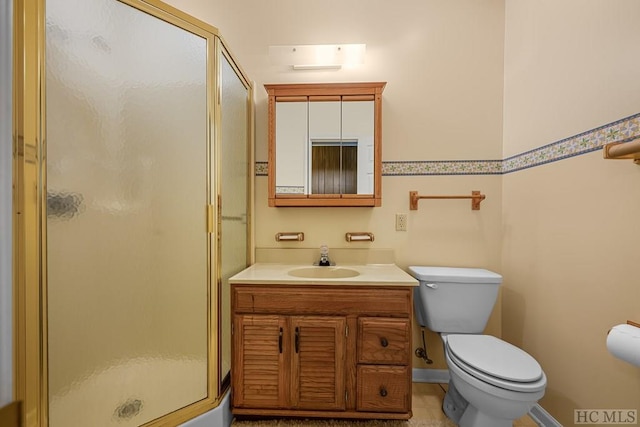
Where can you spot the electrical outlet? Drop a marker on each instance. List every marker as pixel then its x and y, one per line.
pixel 401 222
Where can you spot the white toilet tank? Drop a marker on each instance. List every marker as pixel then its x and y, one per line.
pixel 455 300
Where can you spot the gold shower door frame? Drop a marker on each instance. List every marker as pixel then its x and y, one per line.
pixel 29 208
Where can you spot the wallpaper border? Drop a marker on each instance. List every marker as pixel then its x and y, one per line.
pixel 621 130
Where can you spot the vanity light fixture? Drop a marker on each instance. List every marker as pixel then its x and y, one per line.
pixel 317 56
pixel 316 67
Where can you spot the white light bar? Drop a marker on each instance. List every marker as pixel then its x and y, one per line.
pixel 317 57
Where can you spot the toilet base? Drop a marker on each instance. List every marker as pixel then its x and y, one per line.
pixel 474 418
pixel 458 410
pixel 454 404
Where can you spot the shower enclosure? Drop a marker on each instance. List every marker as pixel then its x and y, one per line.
pixel 133 170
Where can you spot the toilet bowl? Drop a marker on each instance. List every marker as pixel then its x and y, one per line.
pixel 499 382
pixel 492 382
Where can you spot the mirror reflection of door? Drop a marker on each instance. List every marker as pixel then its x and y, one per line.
pixel 334 167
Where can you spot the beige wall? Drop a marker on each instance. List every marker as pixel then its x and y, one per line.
pixel 570 66
pixel 570 252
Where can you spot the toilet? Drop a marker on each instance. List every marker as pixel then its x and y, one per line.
pixel 492 382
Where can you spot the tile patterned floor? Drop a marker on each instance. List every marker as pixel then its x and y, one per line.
pixel 427 412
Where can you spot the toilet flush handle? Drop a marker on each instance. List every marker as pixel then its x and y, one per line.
pixel 431 285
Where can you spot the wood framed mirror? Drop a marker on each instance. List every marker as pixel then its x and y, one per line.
pixel 325 144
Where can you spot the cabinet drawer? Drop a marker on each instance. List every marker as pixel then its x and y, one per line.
pixel 383 388
pixel 323 300
pixel 384 340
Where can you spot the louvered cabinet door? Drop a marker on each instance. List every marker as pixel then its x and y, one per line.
pixel 318 357
pixel 259 376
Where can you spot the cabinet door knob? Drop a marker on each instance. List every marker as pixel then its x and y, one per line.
pixel 280 340
pixel 383 391
pixel 384 342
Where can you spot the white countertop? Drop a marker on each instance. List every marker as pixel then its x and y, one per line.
pixel 370 274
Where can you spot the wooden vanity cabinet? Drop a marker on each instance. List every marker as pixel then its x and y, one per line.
pixel 321 351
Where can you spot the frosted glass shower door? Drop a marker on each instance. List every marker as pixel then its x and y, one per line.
pixel 127 146
pixel 234 163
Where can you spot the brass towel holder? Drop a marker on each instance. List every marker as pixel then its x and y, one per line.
pixel 359 237
pixel 290 236
pixel 623 150
pixel 476 197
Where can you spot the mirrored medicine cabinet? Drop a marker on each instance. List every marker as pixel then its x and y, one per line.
pixel 325 144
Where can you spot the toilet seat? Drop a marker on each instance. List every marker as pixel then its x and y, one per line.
pixel 496 362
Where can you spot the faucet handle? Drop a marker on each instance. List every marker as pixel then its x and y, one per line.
pixel 324 256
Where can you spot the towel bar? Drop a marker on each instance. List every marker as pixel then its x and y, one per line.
pixel 290 236
pixel 623 150
pixel 475 197
pixel 359 237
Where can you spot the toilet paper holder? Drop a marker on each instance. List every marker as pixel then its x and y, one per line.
pixel 623 342
pixel 629 322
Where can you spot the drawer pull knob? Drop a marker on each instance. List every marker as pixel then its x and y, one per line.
pixel 383 391
pixel 384 342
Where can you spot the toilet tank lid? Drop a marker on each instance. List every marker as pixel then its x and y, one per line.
pixel 455 275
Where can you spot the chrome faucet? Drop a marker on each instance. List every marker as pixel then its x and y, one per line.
pixel 324 256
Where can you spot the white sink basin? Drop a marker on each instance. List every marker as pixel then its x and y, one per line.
pixel 323 272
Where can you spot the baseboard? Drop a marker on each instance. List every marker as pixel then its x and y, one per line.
pixel 421 375
pixel 542 417
pixel 220 416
